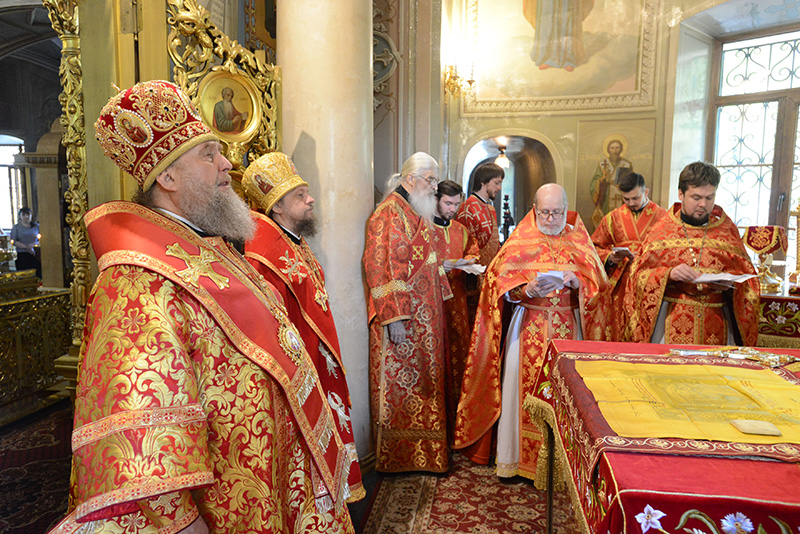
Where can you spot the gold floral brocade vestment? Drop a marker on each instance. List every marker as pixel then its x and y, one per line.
pixel 454 242
pixel 178 411
pixel 694 313
pixel 406 282
pixel 560 315
pixel 622 228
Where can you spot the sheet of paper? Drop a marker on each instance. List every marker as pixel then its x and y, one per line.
pixel 467 267
pixel 722 278
pixel 557 277
pixel 475 268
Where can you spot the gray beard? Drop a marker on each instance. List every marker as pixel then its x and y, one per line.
pixel 423 203
pixel 217 212
pixel 307 227
pixel 548 231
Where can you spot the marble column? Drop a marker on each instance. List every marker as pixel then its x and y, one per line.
pixel 324 49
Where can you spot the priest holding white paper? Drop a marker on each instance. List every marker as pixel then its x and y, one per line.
pixel 671 298
pixel 549 277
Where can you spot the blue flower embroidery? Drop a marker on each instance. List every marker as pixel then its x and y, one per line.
pixel 650 518
pixel 736 524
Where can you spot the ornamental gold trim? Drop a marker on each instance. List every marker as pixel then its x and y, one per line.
pixel 386 289
pixel 143 491
pixel 122 421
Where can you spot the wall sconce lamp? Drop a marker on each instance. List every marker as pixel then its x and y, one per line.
pixel 502 159
pixel 455 84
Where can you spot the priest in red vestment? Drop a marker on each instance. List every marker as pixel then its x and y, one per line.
pixel 284 215
pixel 406 286
pixel 618 240
pixel 453 243
pixel 548 275
pixel 477 213
pixel 197 408
pixel 696 237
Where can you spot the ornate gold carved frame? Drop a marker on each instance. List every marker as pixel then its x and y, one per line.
pixel 198 48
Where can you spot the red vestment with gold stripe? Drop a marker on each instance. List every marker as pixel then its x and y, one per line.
pixel 694 313
pixel 296 274
pixel 193 379
pixel 526 253
pixel 454 242
pixel 480 218
pixel 622 228
pixel 405 281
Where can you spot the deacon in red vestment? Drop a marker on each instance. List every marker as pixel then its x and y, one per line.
pixel 453 243
pixel 197 408
pixel 477 213
pixel 663 300
pixel 500 372
pixel 618 240
pixel 279 251
pixel 406 285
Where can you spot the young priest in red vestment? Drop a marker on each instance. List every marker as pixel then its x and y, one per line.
pixel 663 300
pixel 453 242
pixel 284 215
pixel 618 240
pixel 406 286
pixel 197 408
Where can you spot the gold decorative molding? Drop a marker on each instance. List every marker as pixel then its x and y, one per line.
pixel 198 48
pixel 65 21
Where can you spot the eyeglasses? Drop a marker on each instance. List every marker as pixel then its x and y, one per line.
pixel 432 180
pixel 555 214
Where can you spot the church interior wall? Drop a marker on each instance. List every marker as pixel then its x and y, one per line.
pixel 411 110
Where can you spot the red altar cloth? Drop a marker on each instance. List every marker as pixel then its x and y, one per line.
pixel 630 485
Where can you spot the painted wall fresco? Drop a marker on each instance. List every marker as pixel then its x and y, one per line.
pixel 551 55
pixel 608 150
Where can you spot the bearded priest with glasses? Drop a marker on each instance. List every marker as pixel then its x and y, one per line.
pixel 548 278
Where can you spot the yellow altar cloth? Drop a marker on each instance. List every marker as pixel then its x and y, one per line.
pixel 641 400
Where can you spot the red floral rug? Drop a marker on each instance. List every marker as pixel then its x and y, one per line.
pixel 470 498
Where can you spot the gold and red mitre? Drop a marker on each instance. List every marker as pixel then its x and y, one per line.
pixel 144 129
pixel 269 178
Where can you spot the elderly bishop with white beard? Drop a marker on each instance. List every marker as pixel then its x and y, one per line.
pixel 552 241
pixel 406 286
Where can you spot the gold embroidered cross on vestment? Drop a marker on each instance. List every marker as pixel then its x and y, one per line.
pixel 197 266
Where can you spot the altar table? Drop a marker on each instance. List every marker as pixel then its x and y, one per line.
pixel 621 484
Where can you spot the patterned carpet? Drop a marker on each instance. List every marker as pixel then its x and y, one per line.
pixel 469 499
pixel 34 470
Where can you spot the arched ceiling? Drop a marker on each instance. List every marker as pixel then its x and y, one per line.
pixel 26 34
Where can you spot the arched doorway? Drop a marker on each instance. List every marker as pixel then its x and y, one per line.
pixel 528 164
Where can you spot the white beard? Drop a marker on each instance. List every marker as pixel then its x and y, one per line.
pixel 217 212
pixel 549 231
pixel 423 203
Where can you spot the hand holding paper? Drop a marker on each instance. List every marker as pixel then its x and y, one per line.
pixel 469 266
pixel 545 283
